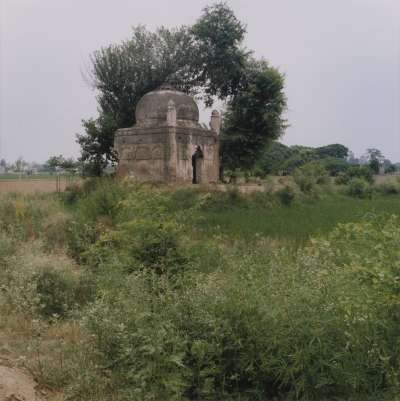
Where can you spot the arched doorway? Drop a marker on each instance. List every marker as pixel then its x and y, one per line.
pixel 197 164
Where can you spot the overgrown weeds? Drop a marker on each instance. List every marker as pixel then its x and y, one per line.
pixel 133 292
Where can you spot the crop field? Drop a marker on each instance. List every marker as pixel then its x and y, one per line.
pixel 299 222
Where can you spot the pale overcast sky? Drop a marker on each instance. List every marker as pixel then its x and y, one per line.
pixel 341 59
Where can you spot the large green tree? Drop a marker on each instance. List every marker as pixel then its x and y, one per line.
pixel 207 60
pixel 121 75
pixel 254 115
pixel 334 150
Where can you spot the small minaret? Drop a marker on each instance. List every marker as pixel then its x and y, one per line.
pixel 171 114
pixel 215 122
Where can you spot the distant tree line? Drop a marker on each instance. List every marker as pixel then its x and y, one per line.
pixel 52 165
pixel 279 159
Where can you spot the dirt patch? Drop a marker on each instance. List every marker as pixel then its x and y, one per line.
pixel 16 385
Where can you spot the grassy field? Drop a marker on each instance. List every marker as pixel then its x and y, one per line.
pixel 297 222
pixel 17 176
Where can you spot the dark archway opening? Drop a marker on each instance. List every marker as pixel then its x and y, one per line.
pixel 197 161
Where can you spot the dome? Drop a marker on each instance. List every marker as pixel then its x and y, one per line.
pixel 153 106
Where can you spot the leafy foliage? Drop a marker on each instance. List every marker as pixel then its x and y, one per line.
pixel 389 187
pixel 219 59
pixel 96 144
pixel 362 172
pixel 335 150
pixel 274 155
pixel 281 159
pixel 359 188
pixel 286 195
pixel 206 59
pixel 253 116
pixel 160 307
pixel 309 175
pixel 60 161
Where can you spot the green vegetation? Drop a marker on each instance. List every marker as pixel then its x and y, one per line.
pixel 124 291
pixel 281 159
pixel 207 58
pixel 297 223
pixel 17 176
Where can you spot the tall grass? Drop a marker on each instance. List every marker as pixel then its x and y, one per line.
pixel 298 222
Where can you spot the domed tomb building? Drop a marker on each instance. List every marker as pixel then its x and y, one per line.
pixel 167 143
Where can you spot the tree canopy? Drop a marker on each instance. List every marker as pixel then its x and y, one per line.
pixel 253 116
pixel 208 60
pixel 278 158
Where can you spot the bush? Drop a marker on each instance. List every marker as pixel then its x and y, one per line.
pixel 55 231
pixel 60 292
pixel 359 188
pixel 55 293
pixel 362 172
pixel 21 216
pixel 309 175
pixel 286 195
pixel 102 199
pixel 389 187
pixel 96 211
pixel 334 166
pixel 156 246
pixel 342 179
pixel 33 282
pixel 138 345
pixel 140 245
pixel 72 193
pixel 323 325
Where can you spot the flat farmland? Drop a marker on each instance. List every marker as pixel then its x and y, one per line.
pixel 32 185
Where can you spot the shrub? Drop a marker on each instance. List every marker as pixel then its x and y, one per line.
pixel 218 200
pixel 94 213
pixel 322 325
pixel 137 343
pixel 390 169
pixel 72 193
pixel 341 179
pixel 362 172
pixel 102 199
pixel 156 246
pixel 34 282
pixel 359 188
pixel 140 244
pixel 56 295
pixel 55 231
pixel 60 292
pixel 334 166
pixel 389 187
pixel 21 216
pixel 184 198
pixel 309 175
pixel 286 195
